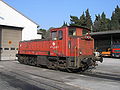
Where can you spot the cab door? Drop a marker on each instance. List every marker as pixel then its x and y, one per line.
pixel 61 44
pixel 57 43
pixel 53 43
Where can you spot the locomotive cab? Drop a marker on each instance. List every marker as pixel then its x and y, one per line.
pixel 74 45
pixel 65 39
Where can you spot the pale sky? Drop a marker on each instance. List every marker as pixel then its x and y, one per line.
pixel 52 13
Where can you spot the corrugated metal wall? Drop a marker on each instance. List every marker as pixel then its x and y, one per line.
pixel 10 42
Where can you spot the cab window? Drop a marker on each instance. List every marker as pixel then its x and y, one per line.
pixel 85 31
pixel 72 31
pixel 60 35
pixel 54 35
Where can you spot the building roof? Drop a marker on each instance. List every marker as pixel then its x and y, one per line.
pixel 6 26
pixel 20 13
pixel 105 32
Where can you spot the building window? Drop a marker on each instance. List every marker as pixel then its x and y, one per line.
pixel 6 48
pixel 12 48
pixel 60 35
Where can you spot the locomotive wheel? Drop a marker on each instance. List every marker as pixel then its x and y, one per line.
pixel 52 65
pixel 69 70
pixel 33 61
pixel 21 59
pixel 84 68
pixel 26 60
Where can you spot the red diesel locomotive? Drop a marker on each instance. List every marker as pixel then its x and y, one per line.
pixel 70 48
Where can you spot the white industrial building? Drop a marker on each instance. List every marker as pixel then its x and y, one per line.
pixel 14 27
pixel 11 17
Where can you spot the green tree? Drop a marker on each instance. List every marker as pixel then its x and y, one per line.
pixel 82 20
pixel 115 19
pixel 105 22
pixel 74 21
pixel 96 25
pixel 64 24
pixel 101 23
pixel 88 19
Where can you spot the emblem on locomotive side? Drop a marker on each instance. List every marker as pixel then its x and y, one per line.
pixel 53 45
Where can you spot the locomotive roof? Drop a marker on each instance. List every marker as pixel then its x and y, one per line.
pixel 80 27
pixel 73 27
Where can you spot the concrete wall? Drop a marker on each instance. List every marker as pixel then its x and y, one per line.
pixel 11 17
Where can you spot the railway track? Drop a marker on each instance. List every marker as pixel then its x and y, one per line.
pixel 45 82
pixel 96 74
pixel 57 84
pixel 91 73
pixel 101 75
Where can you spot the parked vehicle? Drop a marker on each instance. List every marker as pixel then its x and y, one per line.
pixel 116 50
pixel 107 53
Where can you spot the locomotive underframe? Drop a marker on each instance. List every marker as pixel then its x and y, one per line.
pixel 70 63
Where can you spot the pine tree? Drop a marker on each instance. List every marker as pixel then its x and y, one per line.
pixel 96 25
pixel 82 20
pixel 74 21
pixel 104 22
pixel 101 23
pixel 64 24
pixel 88 19
pixel 115 19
